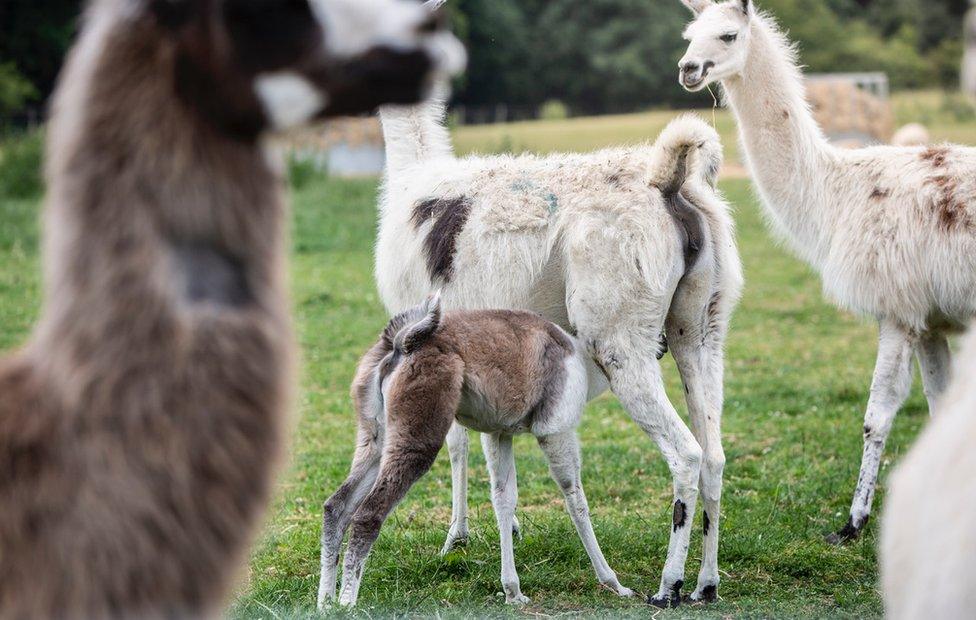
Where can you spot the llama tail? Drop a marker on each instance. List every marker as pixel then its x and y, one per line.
pixel 414 134
pixel 688 147
pixel 409 330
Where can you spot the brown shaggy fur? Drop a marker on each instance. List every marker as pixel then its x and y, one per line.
pixel 140 426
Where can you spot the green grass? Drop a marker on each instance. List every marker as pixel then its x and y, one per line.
pixel 798 376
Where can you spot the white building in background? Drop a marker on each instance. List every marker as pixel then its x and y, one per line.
pixel 968 77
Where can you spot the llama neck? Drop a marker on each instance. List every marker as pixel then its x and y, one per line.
pixel 151 217
pixel 784 148
pixel 414 134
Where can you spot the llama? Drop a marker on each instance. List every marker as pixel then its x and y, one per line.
pixel 428 369
pixel 927 545
pixel 892 231
pixel 141 424
pixel 618 247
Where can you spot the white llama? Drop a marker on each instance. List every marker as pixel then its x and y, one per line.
pixel 891 230
pixel 928 547
pixel 618 247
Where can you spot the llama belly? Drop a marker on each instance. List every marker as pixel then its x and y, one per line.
pixel 480 413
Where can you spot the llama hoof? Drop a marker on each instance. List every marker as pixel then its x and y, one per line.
pixel 517 600
pixel 667 598
pixel 848 533
pixel 707 594
pixel 622 591
pixel 455 540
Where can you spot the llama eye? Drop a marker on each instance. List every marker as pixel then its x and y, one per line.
pixel 729 38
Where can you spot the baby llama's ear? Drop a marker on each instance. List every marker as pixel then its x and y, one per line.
pixel 697 6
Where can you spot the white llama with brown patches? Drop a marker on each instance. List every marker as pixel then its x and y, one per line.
pixel 141 425
pixel 928 542
pixel 617 247
pixel 500 372
pixel 892 231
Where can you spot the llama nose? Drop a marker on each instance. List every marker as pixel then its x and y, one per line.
pixel 690 68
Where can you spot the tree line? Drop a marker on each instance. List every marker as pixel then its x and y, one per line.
pixel 593 56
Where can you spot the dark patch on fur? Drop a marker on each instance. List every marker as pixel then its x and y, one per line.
pixel 679 515
pixel 786 113
pixel 709 594
pixel 603 369
pixel 690 226
pixel 614 180
pixel 449 215
pixel 951 211
pixel 879 193
pixel 382 75
pixel 662 346
pixel 848 533
pixel 210 275
pixel 705 522
pixel 672 600
pixel 936 155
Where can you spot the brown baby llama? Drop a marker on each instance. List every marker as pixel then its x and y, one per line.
pixel 140 425
pixel 499 372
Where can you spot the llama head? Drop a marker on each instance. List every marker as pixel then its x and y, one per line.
pixel 281 63
pixel 718 42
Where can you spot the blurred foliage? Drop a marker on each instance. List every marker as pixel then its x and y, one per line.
pixel 15 90
pixel 21 169
pixel 596 56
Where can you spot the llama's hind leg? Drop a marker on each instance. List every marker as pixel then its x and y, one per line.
pixel 404 461
pixel 697 326
pixel 339 509
pixel 457 448
pixel 635 377
pixel 563 453
pixel 889 389
pixel 934 361
pixel 503 497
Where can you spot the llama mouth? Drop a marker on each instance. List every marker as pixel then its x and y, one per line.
pixel 693 85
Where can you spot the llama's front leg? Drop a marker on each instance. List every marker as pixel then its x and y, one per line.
pixel 889 389
pixel 635 377
pixel 935 362
pixel 339 510
pixel 457 448
pixel 503 497
pixel 562 451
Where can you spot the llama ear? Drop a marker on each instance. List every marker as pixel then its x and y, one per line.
pixel 747 7
pixel 697 6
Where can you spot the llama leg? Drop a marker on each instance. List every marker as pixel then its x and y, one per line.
pixel 635 377
pixel 700 361
pixel 491 456
pixel 563 453
pixel 339 510
pixel 457 448
pixel 889 389
pixel 404 462
pixel 503 497
pixel 935 362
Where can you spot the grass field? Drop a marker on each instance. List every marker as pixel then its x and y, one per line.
pixel 797 383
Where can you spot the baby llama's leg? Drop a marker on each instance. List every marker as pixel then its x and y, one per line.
pixel 501 463
pixel 340 508
pixel 457 449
